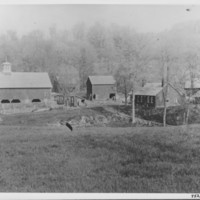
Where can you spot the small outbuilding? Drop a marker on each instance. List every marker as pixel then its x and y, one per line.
pixel 101 88
pixel 152 96
pixel 58 98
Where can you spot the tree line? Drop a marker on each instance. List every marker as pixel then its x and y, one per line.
pixel 133 58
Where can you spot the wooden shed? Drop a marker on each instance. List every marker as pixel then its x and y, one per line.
pixel 58 98
pixel 152 96
pixel 24 87
pixel 101 88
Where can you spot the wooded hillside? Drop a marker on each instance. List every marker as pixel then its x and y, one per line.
pixel 71 55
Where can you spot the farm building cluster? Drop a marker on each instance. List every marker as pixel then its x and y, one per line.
pixel 26 91
pixel 20 91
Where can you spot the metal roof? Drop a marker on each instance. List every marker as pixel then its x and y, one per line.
pixel 196 84
pixel 150 89
pixel 102 80
pixel 25 80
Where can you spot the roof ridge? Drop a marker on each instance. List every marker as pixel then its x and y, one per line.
pixel 102 79
pixel 25 80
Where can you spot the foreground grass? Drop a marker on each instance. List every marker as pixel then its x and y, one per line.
pixel 40 159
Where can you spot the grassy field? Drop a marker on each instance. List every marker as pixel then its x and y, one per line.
pixel 101 159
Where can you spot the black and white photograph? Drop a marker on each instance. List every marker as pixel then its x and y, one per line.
pixel 100 98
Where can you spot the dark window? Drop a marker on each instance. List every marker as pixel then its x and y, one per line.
pixel 112 96
pixel 72 101
pixel 36 100
pixel 5 101
pixel 15 101
pixel 60 100
pixel 151 99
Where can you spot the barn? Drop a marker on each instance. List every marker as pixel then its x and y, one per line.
pixel 101 87
pixel 151 96
pixel 23 87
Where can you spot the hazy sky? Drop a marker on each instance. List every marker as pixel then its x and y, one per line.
pixel 144 18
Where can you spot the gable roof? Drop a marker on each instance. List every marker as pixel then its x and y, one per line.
pixel 102 80
pixel 25 80
pixel 196 84
pixel 153 85
pixel 179 90
pixel 150 89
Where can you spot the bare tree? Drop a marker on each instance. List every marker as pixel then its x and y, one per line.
pixel 124 81
pixel 165 97
pixel 192 60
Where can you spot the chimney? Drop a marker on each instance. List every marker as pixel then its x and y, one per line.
pixel 165 76
pixel 7 68
pixel 143 82
pixel 163 82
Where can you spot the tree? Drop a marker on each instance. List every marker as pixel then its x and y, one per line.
pixel 10 48
pixel 86 58
pixel 33 52
pixel 192 65
pixel 79 31
pixel 165 97
pixel 124 81
pixel 166 55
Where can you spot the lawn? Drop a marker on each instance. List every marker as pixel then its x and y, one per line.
pixel 100 159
